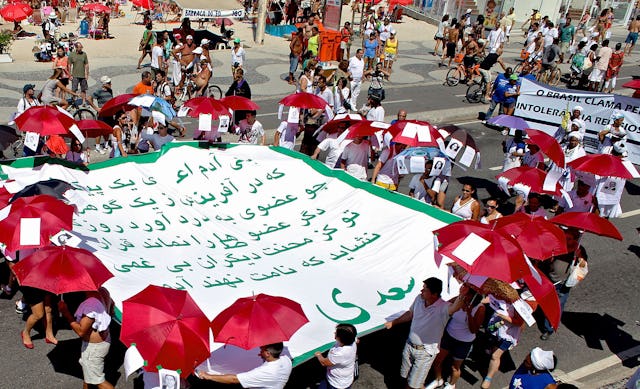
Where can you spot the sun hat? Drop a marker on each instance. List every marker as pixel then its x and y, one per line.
pixel 105 80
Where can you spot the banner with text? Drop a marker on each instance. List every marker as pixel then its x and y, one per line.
pixel 228 223
pixel 193 13
pixel 542 107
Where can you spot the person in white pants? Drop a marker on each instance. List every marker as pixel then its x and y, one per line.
pixel 355 71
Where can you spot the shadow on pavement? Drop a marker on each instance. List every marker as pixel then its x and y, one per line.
pixel 596 328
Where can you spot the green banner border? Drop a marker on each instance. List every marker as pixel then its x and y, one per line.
pixel 152 157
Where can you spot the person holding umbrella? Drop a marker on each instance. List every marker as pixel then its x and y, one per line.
pixel 91 323
pixel 273 373
pixel 40 303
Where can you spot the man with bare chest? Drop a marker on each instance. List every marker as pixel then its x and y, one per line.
pixel 632 37
pixel 471 49
pixel 184 54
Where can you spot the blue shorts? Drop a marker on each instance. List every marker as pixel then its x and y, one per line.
pixel 632 38
pixel 459 350
pixel 502 344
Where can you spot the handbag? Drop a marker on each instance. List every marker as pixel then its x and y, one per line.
pixel 577 274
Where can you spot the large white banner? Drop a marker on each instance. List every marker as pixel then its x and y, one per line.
pixel 542 107
pixel 228 223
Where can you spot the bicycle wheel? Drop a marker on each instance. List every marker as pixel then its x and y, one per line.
pixel 84 114
pixel 554 77
pixel 214 91
pixel 474 93
pixel 518 68
pixel 453 77
pixel 184 96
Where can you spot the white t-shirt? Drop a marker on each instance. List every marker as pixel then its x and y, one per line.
pixel 356 157
pixel 495 38
pixel 287 134
pixel 549 36
pixel 94 309
pixel 340 375
pixel 580 204
pixel 356 68
pixel 334 148
pixel 237 57
pixel 251 134
pixel 385 32
pixel 157 52
pixel 327 96
pixel 269 375
pixel 428 322
pixel 419 191
pixel 376 114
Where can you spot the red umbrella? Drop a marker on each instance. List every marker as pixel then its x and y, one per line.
pixel 258 320
pixel 94 128
pixel 44 120
pixel 168 328
pixel 96 7
pixel 633 84
pixel 416 133
pixel 546 296
pixel 482 251
pixel 116 104
pixel 62 269
pixel 548 145
pixel 15 12
pixel 146 4
pixel 529 176
pixel 239 103
pixel 538 237
pixel 5 196
pixel 342 119
pixel 365 128
pixel 45 212
pixel 602 165
pixel 304 100
pixel 208 105
pixel 588 221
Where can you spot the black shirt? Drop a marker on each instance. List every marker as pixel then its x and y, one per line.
pixel 489 61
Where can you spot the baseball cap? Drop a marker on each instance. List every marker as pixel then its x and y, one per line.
pixel 105 80
pixel 237 40
pixel 468 11
pixel 513 77
pixel 27 87
pixel 52 16
pixel 189 37
pixel 204 41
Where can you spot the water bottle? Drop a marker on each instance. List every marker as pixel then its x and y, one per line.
pixel 493 327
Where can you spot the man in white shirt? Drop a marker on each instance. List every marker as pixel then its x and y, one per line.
pixel 272 374
pixel 355 158
pixel 355 71
pixel 385 30
pixel 550 34
pixel 285 135
pixel 495 38
pixel 250 130
pixel 333 146
pixel 157 56
pixel 429 315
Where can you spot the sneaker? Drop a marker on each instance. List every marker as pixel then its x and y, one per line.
pixel 546 335
pixel 449 386
pixel 434 384
pixel 20 307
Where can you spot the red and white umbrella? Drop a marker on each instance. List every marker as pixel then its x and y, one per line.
pixel 117 104
pixel 96 7
pixel 304 100
pixel 588 221
pixel 416 133
pixel 366 128
pixel 146 4
pixel 44 120
pixel 538 237
pixel 547 144
pixel 339 121
pixel 531 178
pixel 605 165
pixel 239 103
pixel 204 105
pixel 16 12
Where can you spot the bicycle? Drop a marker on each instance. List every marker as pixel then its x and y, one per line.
pixel 189 90
pixel 476 91
pixel 214 91
pixel 79 111
pixel 459 74
pixel 550 75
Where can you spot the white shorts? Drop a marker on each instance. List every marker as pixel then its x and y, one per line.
pixel 596 75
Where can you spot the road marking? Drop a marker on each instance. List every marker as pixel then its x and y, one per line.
pixel 267 114
pixel 496 168
pixel 469 122
pixel 629 214
pixel 465 95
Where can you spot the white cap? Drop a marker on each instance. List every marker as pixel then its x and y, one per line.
pixel 204 41
pixel 52 15
pixel 541 359
pixel 189 37
pixel 468 11
pixel 617 115
pixel 197 50
pixel 105 79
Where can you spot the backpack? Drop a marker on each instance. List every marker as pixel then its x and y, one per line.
pixel 578 60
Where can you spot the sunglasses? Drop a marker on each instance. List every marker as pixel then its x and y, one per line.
pixel 491 206
pixel 466 190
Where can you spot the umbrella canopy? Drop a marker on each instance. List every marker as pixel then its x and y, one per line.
pixel 96 7
pixel 428 153
pixel 508 121
pixel 339 121
pixel 304 100
pixel 546 296
pixel 53 187
pixel 482 251
pixel 94 128
pixel 258 320
pixel 239 103
pixel 168 328
pixel 44 120
pixel 486 285
pixel 154 103
pixel 633 84
pixel 16 12
pixel 365 128
pixel 588 221
pixel 416 133
pixel 205 105
pixel 603 165
pixel 146 4
pixel 461 147
pixel 62 269
pixel 8 135
pixel 33 220
pixel 538 237
pixel 116 104
pixel 5 197
pixel 548 145
pixel 531 177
